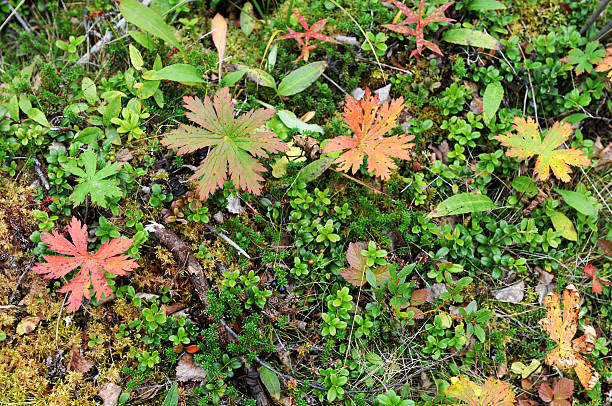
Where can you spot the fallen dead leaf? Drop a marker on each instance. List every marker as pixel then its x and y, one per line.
pixel 110 393
pixel 78 363
pixel 512 294
pixel 188 370
pixel 27 325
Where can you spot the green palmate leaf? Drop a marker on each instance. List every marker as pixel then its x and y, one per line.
pixel 563 224
pixel 149 21
pixel 98 184
pixel 179 72
pixel 465 36
pixel 301 78
pixel 234 143
pixel 584 60
pixel 463 203
pixel 578 201
pixel 271 382
pixel 172 397
pixel 493 95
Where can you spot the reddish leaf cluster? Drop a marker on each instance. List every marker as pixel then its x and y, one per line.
pixel 93 266
pixel 597 287
pixel 303 38
pixel 436 16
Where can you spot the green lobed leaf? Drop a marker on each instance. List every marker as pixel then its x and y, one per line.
pixel 301 78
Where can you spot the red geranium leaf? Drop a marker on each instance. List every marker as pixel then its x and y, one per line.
pixel 93 266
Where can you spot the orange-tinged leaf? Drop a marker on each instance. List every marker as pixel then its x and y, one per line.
pixel 561 327
pixel 356 273
pixel 528 143
pixel 371 122
pixel 312 32
pixel 436 16
pixel 218 27
pixel 493 393
pixel 234 143
pixel 606 64
pixel 93 266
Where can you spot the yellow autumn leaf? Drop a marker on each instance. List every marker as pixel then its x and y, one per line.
pixel 528 142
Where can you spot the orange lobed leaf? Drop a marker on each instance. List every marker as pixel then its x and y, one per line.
pixel 93 266
pixel 561 327
pixel 492 393
pixel 371 122
pixel 606 64
pixel 528 142
pixel 234 143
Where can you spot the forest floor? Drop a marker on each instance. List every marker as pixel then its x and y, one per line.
pixel 303 202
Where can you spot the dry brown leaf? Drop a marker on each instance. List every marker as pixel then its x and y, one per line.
pixel 110 394
pixel 188 370
pixel 78 363
pixel 219 37
pixel 27 325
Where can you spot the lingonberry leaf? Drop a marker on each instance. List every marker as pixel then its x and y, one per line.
pixel 436 16
pixel 561 327
pixel 303 38
pixel 99 184
pixel 234 143
pixel 598 282
pixel 528 142
pixel 93 266
pixel 492 393
pixel 371 122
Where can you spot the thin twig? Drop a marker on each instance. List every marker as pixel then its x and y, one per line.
pixel 14 13
pixel 228 240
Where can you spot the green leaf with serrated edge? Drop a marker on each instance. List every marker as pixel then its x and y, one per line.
pixel 525 185
pixel 493 96
pixel 89 90
pixel 149 21
pixel 93 182
pixel 259 76
pixel 271 382
pixel 465 36
pixel 563 224
pixel 463 203
pixel 179 72
pixel 172 397
pixel 314 169
pixel 301 78
pixel 578 201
